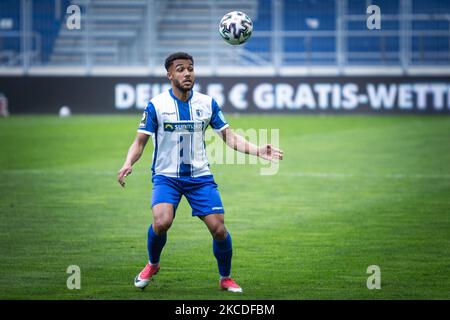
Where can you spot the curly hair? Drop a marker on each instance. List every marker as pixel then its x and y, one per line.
pixel 178 55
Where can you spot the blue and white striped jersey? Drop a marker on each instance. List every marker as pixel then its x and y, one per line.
pixel 177 128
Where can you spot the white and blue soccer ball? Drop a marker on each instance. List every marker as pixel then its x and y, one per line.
pixel 236 27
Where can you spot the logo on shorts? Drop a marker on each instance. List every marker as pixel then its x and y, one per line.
pixel 216 208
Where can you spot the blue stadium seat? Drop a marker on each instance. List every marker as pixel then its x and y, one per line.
pixel 47 22
pixel 45 26
pixel 9 27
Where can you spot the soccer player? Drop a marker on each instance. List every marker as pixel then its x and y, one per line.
pixel 176 120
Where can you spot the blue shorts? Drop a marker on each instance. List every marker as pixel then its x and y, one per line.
pixel 201 193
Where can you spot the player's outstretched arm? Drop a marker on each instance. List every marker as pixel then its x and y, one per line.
pixel 134 153
pixel 238 143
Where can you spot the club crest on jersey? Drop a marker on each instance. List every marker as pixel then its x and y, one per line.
pixel 198 112
pixel 183 126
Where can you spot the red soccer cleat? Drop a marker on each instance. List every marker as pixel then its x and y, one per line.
pixel 143 278
pixel 229 285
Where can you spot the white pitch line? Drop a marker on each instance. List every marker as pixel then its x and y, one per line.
pixel 331 175
pixel 323 175
pixel 63 172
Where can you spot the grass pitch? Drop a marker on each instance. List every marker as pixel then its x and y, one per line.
pixel 353 191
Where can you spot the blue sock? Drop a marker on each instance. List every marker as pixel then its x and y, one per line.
pixel 155 244
pixel 223 251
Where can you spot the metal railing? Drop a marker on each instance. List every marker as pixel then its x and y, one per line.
pixel 140 47
pixel 14 58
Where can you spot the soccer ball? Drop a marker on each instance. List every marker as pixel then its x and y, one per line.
pixel 235 27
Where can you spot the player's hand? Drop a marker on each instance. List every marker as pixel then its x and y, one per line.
pixel 125 171
pixel 270 153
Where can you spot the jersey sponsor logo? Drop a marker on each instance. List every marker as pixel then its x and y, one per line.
pixel 143 120
pixel 183 126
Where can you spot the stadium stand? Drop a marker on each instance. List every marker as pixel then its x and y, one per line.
pixel 9 33
pixel 192 26
pixel 111 32
pixel 287 33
